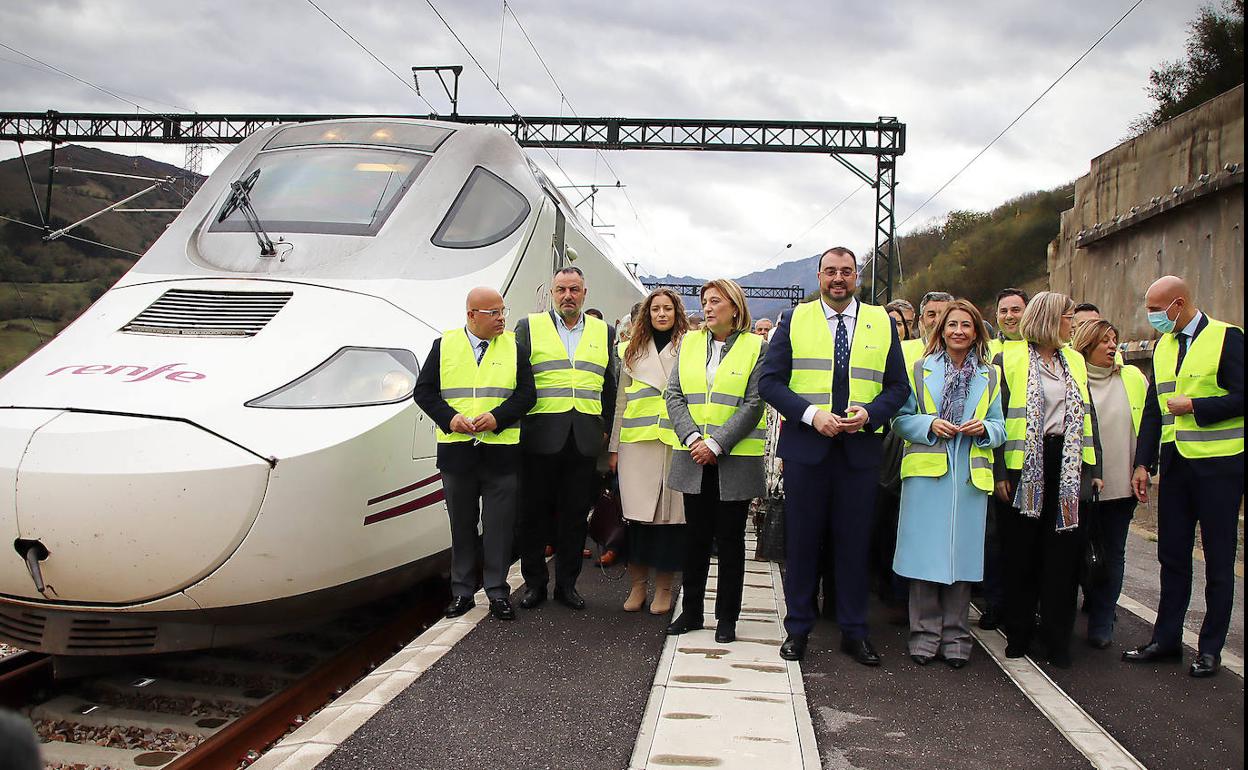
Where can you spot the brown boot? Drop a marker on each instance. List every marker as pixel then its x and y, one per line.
pixel 637 573
pixel 662 603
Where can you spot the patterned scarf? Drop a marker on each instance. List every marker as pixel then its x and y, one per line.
pixel 1029 498
pixel 957 384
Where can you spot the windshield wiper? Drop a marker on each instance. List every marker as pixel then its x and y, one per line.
pixel 240 200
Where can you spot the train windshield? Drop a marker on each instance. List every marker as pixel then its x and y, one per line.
pixel 335 190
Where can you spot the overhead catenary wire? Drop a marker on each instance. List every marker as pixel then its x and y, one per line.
pixel 819 221
pixel 1020 115
pixel 411 86
pixel 115 93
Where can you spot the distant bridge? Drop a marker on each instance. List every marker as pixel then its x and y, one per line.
pixel 793 294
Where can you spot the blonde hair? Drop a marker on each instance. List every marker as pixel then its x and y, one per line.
pixel 1042 320
pixel 1091 334
pixel 937 341
pixel 641 329
pixel 731 292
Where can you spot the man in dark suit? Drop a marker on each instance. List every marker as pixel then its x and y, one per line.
pixel 1193 414
pixel 477 385
pixel 574 368
pixel 836 373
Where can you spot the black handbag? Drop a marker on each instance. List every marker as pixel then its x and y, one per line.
pixel 606 522
pixel 1093 571
pixel 771 535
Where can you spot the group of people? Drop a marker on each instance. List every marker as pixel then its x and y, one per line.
pixel 1016 450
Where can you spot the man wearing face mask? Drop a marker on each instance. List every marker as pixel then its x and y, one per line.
pixel 1193 414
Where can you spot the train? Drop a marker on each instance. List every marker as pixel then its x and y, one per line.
pixel 225 443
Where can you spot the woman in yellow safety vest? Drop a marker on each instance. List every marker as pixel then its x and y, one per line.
pixel 1118 393
pixel 641 450
pixel 951 423
pixel 1044 470
pixel 717 413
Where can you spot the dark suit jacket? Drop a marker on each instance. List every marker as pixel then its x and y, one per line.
pixel 546 434
pixel 1206 410
pixel 801 443
pixel 464 456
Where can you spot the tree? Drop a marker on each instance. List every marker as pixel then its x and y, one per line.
pixel 1214 64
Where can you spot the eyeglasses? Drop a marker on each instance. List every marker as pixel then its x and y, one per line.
pixel 832 272
pixel 502 313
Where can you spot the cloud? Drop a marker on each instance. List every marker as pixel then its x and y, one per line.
pixel 956 74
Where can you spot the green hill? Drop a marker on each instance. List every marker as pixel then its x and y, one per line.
pixel 976 254
pixel 45 285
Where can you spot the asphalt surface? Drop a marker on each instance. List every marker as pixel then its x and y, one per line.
pixel 902 716
pixel 1158 712
pixel 553 689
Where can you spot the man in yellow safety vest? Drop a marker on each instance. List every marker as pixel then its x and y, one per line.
pixel 476 386
pixel 574 368
pixel 1193 414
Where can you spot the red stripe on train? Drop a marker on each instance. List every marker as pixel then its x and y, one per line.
pixel 406 489
pixel 408 507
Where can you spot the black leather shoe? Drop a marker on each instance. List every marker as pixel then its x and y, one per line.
pixel 921 660
pixel 458 606
pixel 1205 665
pixel 725 632
pixel 794 647
pixel 990 619
pixel 684 624
pixel 533 596
pixel 501 608
pixel 1099 643
pixel 1153 653
pixel 570 599
pixel 956 663
pixel 861 651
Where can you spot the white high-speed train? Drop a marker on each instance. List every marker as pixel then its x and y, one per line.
pixel 226 440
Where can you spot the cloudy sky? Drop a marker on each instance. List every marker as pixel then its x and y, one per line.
pixel 956 73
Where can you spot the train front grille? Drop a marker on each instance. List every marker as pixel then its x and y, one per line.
pixel 110 635
pixel 200 313
pixel 21 627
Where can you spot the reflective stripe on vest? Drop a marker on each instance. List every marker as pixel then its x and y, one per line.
pixel 1015 363
pixel 1198 378
pixel 564 385
pixel 645 415
pixel 1136 384
pixel 933 460
pixel 472 389
pixel 711 408
pixel 813 356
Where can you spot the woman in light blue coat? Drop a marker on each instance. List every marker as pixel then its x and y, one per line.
pixel 951 423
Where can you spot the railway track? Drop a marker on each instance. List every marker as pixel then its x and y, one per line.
pixel 216 709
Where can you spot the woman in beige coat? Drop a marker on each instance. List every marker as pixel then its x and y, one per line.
pixel 639 455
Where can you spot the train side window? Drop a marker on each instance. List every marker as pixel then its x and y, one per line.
pixel 486 211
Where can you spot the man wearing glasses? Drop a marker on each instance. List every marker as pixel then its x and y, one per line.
pixel 476 385
pixel 835 371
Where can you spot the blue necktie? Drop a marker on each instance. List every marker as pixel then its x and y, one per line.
pixel 840 367
pixel 1182 350
pixel 481 350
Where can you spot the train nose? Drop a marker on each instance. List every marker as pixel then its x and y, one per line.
pixel 128 509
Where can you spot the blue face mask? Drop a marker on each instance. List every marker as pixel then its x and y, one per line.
pixel 1160 319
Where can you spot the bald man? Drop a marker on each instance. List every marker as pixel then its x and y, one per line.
pixel 476 385
pixel 1192 432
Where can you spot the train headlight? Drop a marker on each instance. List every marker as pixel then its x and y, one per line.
pixel 350 377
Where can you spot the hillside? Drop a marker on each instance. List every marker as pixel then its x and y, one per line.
pixel 976 254
pixel 44 286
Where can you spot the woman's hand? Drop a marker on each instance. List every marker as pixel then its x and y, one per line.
pixel 1098 485
pixel 701 453
pixel 1139 483
pixel 1004 491
pixel 972 428
pixel 944 428
pixel 613 461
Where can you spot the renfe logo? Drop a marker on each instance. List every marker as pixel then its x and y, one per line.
pixel 134 373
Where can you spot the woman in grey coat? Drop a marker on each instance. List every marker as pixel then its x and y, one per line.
pixel 716 412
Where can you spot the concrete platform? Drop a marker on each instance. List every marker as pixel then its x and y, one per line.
pixel 603 688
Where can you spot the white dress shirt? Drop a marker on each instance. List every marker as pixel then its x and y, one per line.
pixel 850 319
pixel 570 337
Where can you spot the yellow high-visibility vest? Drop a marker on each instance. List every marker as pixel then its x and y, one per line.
pixel 712 407
pixel 813 354
pixel 473 389
pixel 1136 384
pixel 912 351
pixel 1015 363
pixel 565 384
pixel 1197 378
pixel 933 461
